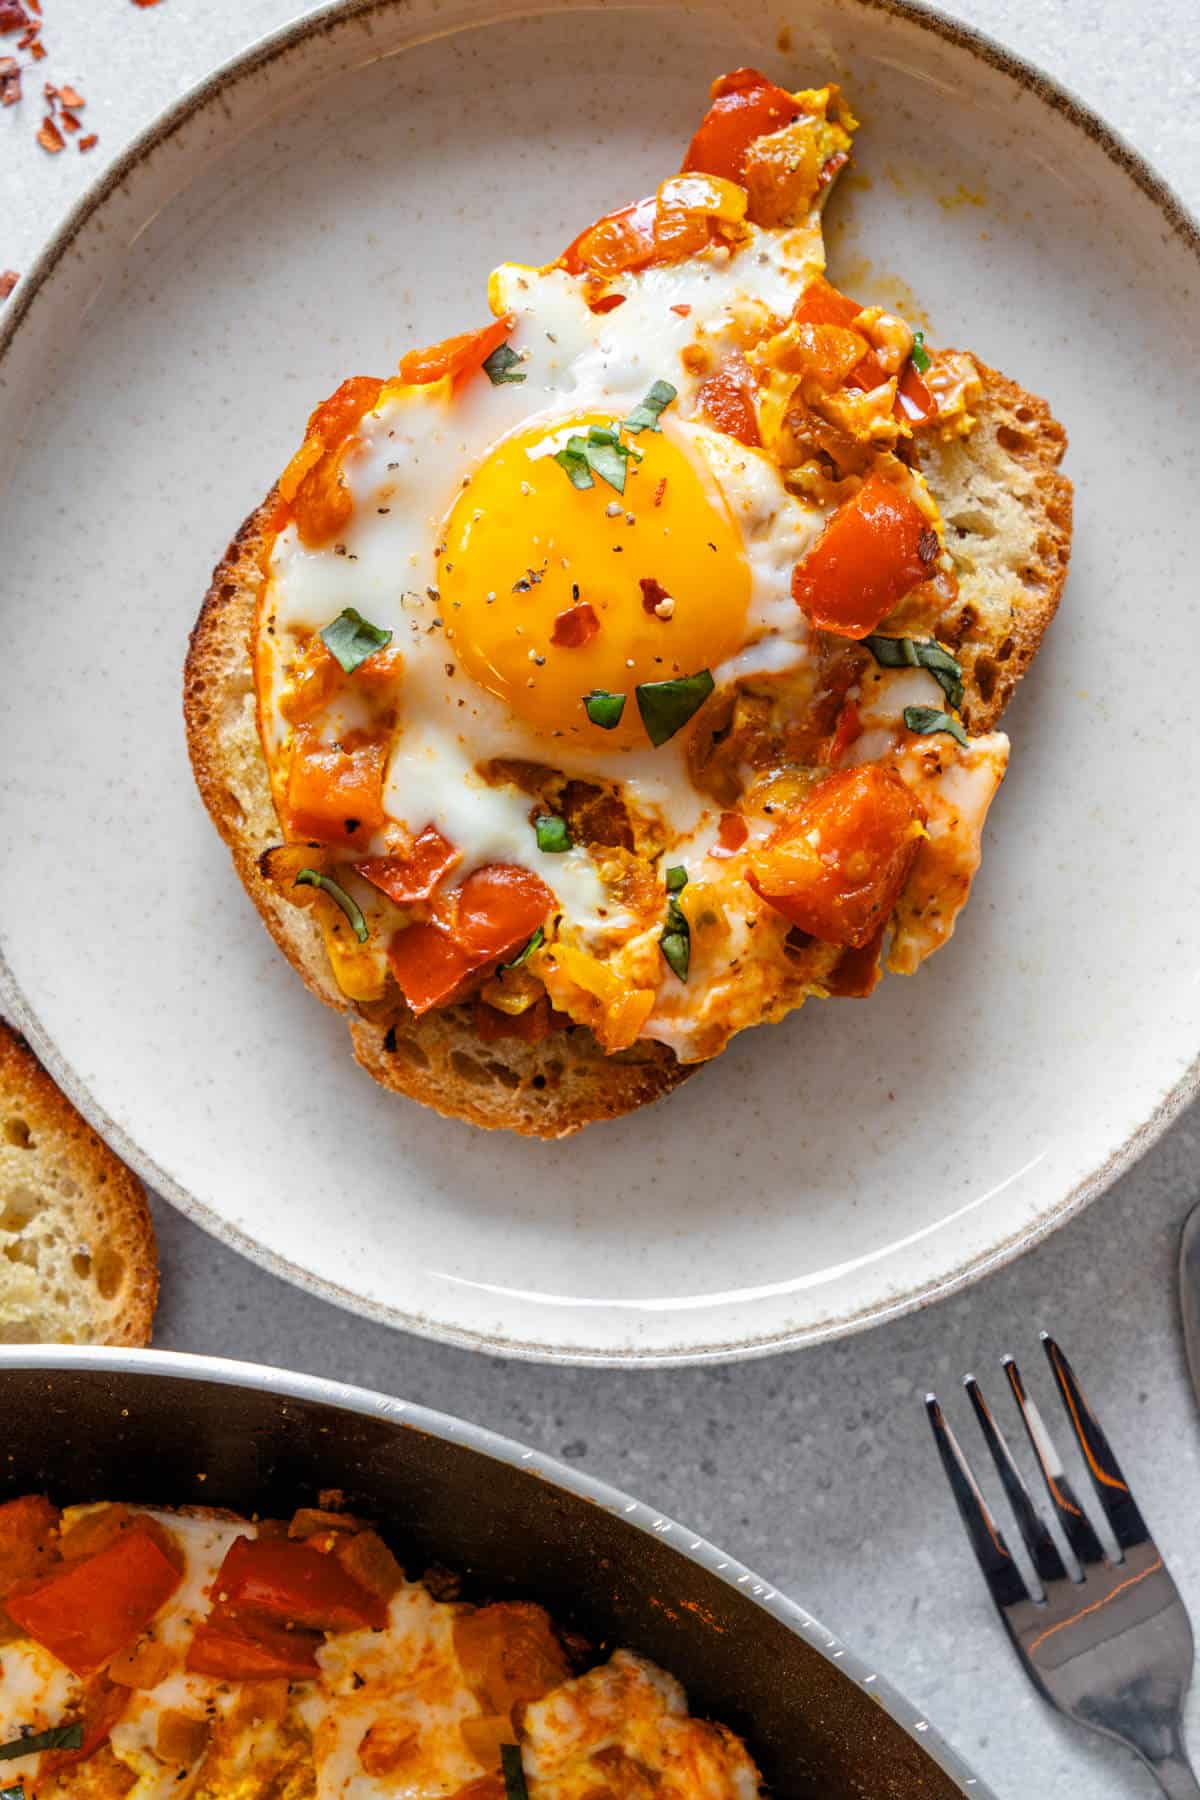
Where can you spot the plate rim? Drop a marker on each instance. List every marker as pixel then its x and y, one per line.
pixel 323 20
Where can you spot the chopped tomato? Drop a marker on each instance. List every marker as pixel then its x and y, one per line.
pixel 847 732
pixel 238 1650
pixel 496 910
pixel 913 399
pixel 27 1539
pixel 836 866
pixel 620 241
pixel 84 1612
pixel 288 1582
pixel 745 106
pixel 575 627
pixel 509 1655
pixel 732 833
pixel 822 304
pixel 727 400
pixel 873 550
pixel 605 303
pixel 429 966
pixel 413 876
pixel 335 794
pixel 456 356
pixel 103 1704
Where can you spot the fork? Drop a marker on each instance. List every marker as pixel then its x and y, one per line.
pixel 1107 1641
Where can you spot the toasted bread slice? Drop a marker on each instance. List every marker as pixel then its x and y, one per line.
pixel 80 1264
pixel 1008 515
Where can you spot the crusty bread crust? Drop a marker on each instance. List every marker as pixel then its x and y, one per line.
pixel 81 1233
pixel 1008 517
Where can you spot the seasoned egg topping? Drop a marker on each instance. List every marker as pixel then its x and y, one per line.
pixel 596 656
pixel 147 1653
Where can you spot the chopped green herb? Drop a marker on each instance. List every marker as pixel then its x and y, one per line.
pixel 676 940
pixel 604 709
pixel 535 943
pixel 601 453
pixel 920 653
pixel 13 1793
pixel 514 1773
pixel 351 638
pixel 927 718
pixel 552 834
pixel 314 878
pixel 59 1737
pixel 500 366
pixel 920 355
pixel 646 414
pixel 666 706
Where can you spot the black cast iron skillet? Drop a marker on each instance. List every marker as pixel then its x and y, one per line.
pixel 177 1430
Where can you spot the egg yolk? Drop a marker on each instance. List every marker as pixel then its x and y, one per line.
pixel 552 592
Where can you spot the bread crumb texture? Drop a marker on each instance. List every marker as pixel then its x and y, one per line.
pixel 78 1261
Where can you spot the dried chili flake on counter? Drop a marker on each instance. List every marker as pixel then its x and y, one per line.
pixel 10 81
pixel 89 142
pixel 50 137
pixel 8 281
pixel 13 17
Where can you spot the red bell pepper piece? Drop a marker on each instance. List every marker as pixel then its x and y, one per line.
pixel 84 1612
pixel 414 875
pixel 621 241
pixel 873 550
pixel 252 1650
pixel 284 1581
pixel 334 794
pixel 727 400
pixel 836 867
pixel 455 356
pixel 822 304
pixel 103 1703
pixel 336 418
pixel 497 910
pixel 914 401
pixel 745 106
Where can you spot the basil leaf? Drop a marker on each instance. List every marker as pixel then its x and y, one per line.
pixel 646 414
pixel 514 1773
pixel 927 719
pixel 313 878
pixel 500 365
pixel 604 709
pixel 676 879
pixel 351 638
pixel 920 355
pixel 535 943
pixel 574 461
pixel 552 834
pixel 608 462
pixel 920 653
pixel 59 1737
pixel 13 1793
pixel 666 706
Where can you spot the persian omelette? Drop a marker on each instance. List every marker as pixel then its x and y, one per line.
pixel 623 673
pixel 193 1655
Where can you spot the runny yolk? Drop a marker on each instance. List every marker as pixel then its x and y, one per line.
pixel 660 566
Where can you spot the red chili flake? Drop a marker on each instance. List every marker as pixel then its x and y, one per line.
pixel 652 593
pixel 13 17
pixel 27 36
pixel 732 833
pixel 607 303
pixel 659 491
pixel 575 627
pixel 68 121
pixel 89 142
pixel 8 281
pixel 50 137
pixel 145 2
pixel 682 309
pixel 10 81
pixel 37 50
pixel 849 729
pixel 35 6
pixel 71 97
pixel 51 93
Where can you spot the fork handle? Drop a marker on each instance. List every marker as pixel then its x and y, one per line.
pixel 1174 1775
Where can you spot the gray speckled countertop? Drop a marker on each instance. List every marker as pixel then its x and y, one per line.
pixel 814 1468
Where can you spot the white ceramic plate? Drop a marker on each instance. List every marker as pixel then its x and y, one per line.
pixel 340 194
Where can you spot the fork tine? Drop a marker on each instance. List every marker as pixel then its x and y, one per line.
pixel 1112 1490
pixel 1071 1516
pixel 991 1552
pixel 1041 1546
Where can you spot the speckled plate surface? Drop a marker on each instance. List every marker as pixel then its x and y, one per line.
pixel 341 193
